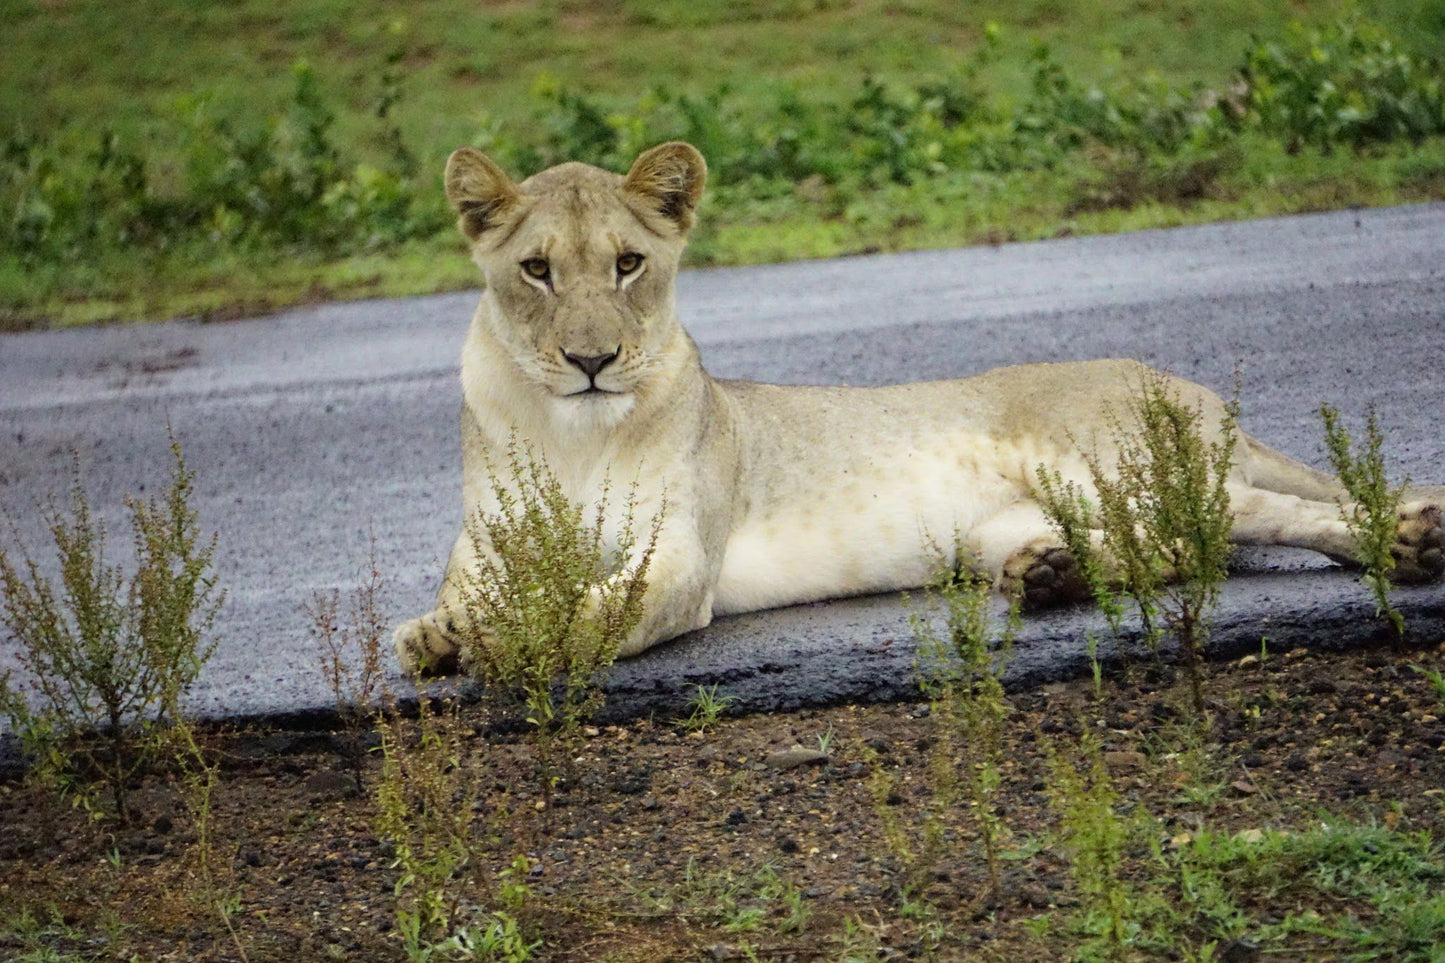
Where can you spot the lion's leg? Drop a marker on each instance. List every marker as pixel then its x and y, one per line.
pixel 432 643
pixel 1269 518
pixel 1023 554
pixel 679 596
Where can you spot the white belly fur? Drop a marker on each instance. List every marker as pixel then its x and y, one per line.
pixel 877 522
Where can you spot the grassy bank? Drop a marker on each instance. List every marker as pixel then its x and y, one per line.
pixel 160 161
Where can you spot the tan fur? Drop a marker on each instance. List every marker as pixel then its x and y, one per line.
pixel 777 495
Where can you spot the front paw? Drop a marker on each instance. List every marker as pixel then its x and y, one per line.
pixel 425 647
pixel 1419 544
pixel 1044 576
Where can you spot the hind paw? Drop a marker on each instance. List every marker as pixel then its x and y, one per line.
pixel 1044 576
pixel 1419 545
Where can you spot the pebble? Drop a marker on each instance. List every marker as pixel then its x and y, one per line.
pixel 1125 761
pixel 331 782
pixel 795 756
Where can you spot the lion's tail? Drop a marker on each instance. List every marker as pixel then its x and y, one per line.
pixel 1276 472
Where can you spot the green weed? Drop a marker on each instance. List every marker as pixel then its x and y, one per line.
pixel 760 902
pixel 1435 677
pixel 1082 793
pixel 1373 512
pixel 1163 516
pixel 549 604
pixel 427 796
pixel 109 655
pixel 963 675
pixel 351 658
pixel 705 708
pixel 1384 883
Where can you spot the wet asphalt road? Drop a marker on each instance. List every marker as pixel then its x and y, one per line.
pixel 312 430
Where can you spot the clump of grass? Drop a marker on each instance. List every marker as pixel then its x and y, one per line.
pixel 1163 513
pixel 963 676
pixel 550 602
pixel 758 902
pixel 1373 514
pixel 110 655
pixel 1390 880
pixel 706 707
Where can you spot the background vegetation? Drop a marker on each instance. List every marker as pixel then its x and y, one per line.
pixel 160 159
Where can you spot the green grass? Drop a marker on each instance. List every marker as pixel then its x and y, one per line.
pixel 1339 891
pixel 446 73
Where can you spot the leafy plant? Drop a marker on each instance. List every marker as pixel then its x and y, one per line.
pixel 1082 793
pixel 351 647
pixel 550 603
pixel 1163 516
pixel 1350 83
pixel 1372 514
pixel 963 676
pixel 109 656
pixel 427 796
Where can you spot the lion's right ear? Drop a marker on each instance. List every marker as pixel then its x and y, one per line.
pixel 669 179
pixel 481 192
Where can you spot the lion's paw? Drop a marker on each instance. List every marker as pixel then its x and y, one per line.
pixel 1419 544
pixel 425 646
pixel 1044 576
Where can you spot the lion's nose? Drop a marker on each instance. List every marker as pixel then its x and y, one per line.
pixel 590 363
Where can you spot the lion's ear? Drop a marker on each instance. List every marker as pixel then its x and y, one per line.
pixel 669 178
pixel 481 192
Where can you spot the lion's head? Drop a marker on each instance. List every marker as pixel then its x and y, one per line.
pixel 580 264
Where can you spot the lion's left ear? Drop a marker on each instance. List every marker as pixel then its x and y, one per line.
pixel 670 179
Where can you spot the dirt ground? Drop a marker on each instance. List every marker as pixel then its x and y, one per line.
pixel 672 845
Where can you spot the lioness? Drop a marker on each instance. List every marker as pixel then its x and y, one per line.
pixel 780 495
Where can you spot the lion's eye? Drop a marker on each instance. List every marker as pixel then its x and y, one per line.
pixel 628 263
pixel 536 267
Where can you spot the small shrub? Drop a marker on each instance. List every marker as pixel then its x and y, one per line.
pixel 963 675
pixel 1164 514
pixel 1349 84
pixel 110 656
pixel 1373 515
pixel 549 605
pixel 351 658
pixel 427 796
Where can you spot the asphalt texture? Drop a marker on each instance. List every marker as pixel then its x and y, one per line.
pixel 313 431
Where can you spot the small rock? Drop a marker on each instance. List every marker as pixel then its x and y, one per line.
pixel 795 756
pixel 874 740
pixel 650 802
pixel 1124 761
pixel 1250 836
pixel 331 782
pixel 1248 661
pixel 1238 951
pixel 1244 787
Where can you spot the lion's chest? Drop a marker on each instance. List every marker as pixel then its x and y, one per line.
pixel 861 519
